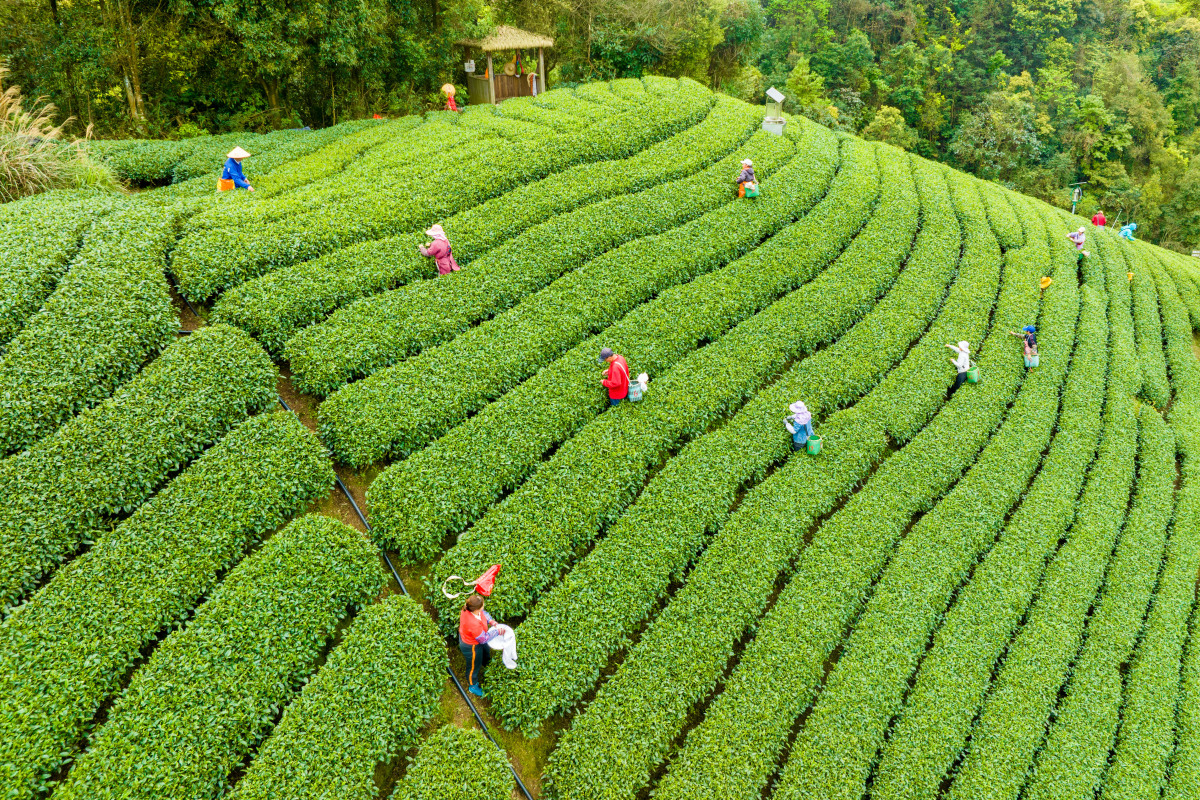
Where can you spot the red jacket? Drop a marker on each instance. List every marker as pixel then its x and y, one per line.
pixel 439 249
pixel 1099 221
pixel 450 106
pixel 474 631
pixel 616 378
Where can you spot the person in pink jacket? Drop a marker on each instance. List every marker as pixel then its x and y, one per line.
pixel 439 250
pixel 616 377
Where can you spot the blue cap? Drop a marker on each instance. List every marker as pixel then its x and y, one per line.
pixel 1029 329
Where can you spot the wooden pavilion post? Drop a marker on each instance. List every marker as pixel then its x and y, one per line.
pixel 491 80
pixel 541 72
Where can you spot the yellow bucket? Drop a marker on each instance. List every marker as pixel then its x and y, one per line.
pixel 1045 283
pixel 1129 275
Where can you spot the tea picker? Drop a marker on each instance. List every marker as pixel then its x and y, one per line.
pixel 616 377
pixel 1079 237
pixel 1127 231
pixel 1029 334
pixel 799 425
pixel 966 369
pixel 439 250
pixel 746 181
pixel 231 175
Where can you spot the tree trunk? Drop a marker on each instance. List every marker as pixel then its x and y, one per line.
pixel 134 59
pixel 271 87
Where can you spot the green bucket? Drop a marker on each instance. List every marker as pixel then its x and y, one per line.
pixel 814 445
pixel 973 373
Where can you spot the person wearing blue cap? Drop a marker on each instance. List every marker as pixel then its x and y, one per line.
pixel 1029 334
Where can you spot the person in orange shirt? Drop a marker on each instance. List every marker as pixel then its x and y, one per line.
pixel 475 629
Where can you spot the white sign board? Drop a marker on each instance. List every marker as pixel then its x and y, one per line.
pixel 775 94
pixel 469 67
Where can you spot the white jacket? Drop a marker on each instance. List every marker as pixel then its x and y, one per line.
pixel 962 361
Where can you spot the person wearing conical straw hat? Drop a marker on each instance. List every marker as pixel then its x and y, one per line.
pixel 448 90
pixel 439 250
pixel 231 175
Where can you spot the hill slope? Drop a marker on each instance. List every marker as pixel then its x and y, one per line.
pixel 986 592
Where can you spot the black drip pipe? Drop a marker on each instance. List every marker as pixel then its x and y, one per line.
pixel 457 684
pixel 179 291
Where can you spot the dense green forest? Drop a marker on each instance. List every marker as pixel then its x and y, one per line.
pixel 1036 94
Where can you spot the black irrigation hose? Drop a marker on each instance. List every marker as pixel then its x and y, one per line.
pixel 457 684
pixel 179 292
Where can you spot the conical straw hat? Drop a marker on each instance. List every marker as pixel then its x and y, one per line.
pixel 238 152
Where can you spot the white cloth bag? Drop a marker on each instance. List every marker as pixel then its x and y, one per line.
pixel 506 642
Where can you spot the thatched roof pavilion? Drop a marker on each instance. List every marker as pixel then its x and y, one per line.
pixel 493 88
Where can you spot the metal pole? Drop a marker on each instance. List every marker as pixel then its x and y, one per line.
pixel 395 574
pixel 491 80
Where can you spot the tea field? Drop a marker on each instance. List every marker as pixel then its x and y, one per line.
pixel 989 593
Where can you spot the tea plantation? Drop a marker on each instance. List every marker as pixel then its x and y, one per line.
pixel 987 593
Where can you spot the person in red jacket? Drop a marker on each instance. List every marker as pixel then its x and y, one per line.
pixel 1098 219
pixel 475 629
pixel 439 250
pixel 616 377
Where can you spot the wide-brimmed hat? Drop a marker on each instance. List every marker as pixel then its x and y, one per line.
pixel 964 345
pixel 747 162
pixel 238 152
pixel 1081 229
pixel 798 407
pixel 435 230
pixel 448 88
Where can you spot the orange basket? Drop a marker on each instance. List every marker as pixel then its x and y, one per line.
pixel 224 184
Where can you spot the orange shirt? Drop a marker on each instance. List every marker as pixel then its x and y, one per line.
pixel 471 629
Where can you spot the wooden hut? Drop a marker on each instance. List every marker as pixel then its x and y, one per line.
pixel 492 86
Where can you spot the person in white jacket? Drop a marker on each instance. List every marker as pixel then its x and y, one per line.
pixel 962 363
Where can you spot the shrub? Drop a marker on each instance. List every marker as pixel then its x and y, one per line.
pixel 590 479
pixel 280 605
pixel 632 566
pixel 935 722
pixel 456 764
pixel 64 653
pixel 451 483
pixel 275 306
pixel 35 248
pixel 628 728
pixel 62 491
pixel 110 313
pixel 366 706
pixel 544 325
pixel 1013 719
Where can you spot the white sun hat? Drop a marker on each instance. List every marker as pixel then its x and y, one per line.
pixel 435 230
pixel 964 346
pixel 238 152
pixel 747 162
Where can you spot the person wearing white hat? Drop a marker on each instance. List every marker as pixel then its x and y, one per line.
pixel 962 363
pixel 439 250
pixel 745 176
pixel 1078 238
pixel 231 175
pixel 799 425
